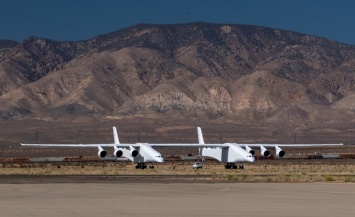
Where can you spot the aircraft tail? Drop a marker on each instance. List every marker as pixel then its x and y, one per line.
pixel 115 136
pixel 200 142
pixel 200 136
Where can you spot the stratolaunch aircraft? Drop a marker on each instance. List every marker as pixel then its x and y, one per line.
pixel 228 153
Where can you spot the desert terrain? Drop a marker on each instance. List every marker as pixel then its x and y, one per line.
pixel 177 199
pixel 157 83
pixel 281 170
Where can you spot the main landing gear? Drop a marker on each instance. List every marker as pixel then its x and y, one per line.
pixel 144 166
pixel 233 166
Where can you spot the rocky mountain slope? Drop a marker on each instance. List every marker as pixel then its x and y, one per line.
pixel 236 73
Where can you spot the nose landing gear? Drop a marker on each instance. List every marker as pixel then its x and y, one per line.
pixel 144 166
pixel 233 166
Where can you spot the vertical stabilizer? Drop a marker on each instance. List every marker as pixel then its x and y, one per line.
pixel 115 136
pixel 200 136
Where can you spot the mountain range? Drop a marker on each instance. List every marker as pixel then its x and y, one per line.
pixel 231 73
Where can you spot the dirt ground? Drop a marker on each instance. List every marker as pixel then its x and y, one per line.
pixel 176 199
pixel 133 130
pixel 315 170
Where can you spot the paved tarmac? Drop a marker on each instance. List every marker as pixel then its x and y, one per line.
pixel 174 198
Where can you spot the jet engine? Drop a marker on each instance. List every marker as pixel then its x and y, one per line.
pixel 264 151
pixel 248 149
pixel 118 152
pixel 101 153
pixel 134 152
pixel 279 151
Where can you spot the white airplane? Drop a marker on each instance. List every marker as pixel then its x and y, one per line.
pixel 231 153
pixel 142 153
pixel 139 153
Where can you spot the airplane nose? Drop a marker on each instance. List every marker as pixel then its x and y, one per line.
pixel 250 158
pixel 159 159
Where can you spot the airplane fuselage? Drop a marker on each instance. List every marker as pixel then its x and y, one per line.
pixel 231 153
pixel 145 154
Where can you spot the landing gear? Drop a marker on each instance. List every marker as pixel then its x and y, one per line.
pixel 141 166
pixel 144 166
pixel 229 166
pixel 233 166
pixel 241 166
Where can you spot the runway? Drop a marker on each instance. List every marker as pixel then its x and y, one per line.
pixel 72 196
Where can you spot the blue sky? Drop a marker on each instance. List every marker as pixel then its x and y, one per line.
pixel 73 20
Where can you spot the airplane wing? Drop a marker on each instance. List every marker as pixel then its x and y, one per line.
pixel 190 145
pixel 72 145
pixel 179 145
pixel 253 146
pixel 289 145
pixel 128 145
pixel 236 152
pixel 200 144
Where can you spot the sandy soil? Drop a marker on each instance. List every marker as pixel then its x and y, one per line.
pixel 336 170
pixel 177 199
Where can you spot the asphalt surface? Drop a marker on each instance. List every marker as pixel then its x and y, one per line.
pixel 169 196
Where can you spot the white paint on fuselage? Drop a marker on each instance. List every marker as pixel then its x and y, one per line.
pixel 232 153
pixel 146 155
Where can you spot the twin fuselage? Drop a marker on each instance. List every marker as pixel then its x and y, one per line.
pixel 144 152
pixel 228 153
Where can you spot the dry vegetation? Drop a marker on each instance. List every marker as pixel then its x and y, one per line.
pixel 261 171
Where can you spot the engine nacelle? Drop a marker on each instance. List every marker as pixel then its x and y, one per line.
pixel 101 153
pixel 248 149
pixel 134 152
pixel 279 151
pixel 264 151
pixel 118 152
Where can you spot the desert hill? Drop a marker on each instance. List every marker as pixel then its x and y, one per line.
pixel 235 73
